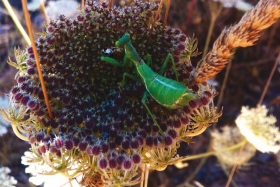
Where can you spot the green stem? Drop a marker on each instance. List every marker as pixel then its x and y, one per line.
pixel 215 152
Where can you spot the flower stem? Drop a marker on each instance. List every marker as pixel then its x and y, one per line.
pixel 269 79
pixel 215 152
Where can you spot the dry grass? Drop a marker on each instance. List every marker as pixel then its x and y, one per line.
pixel 243 34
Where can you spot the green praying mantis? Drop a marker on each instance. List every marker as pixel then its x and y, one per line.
pixel 168 93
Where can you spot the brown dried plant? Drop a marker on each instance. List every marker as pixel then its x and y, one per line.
pixel 243 34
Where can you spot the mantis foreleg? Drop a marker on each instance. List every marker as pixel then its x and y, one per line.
pixel 115 62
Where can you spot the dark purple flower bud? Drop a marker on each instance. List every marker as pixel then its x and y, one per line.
pixel 32 138
pixel 15 90
pixel 195 88
pixel 185 120
pixel 87 9
pixel 80 18
pixel 39 136
pixel 148 128
pixel 182 38
pixel 127 164
pixel 168 140
pixel 32 104
pixel 172 133
pixel 204 100
pixel 143 134
pixel 24 86
pixel 125 144
pixel 134 144
pixel 61 17
pixel 103 163
pixel 83 146
pixel 193 104
pixel 176 52
pixel 40 112
pixel 149 141
pixel 113 163
pixel 136 158
pixel 69 144
pixel 50 40
pixel 31 71
pixel 45 122
pixel 24 100
pixel 181 47
pixel 35 90
pixel 177 31
pixel 208 94
pixel 66 99
pixel 140 140
pixel 176 123
pixel 42 149
pixel 30 50
pixel 104 147
pixel 53 149
pixel 157 140
pixel 189 68
pixel 58 142
pixel 187 109
pixel 120 159
pixel 96 150
pixel 50 29
pixel 155 128
pixel 21 80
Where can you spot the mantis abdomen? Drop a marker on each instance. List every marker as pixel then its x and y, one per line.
pixel 167 92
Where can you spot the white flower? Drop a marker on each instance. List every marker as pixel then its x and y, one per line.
pixel 227 137
pixel 239 4
pixel 67 8
pixel 259 129
pixel 42 173
pixel 5 179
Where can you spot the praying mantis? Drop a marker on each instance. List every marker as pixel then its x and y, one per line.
pixel 168 93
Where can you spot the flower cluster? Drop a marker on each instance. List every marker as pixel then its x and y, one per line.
pixel 227 137
pixel 99 128
pixel 5 179
pixel 259 129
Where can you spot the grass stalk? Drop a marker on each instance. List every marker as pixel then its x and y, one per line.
pixel 16 21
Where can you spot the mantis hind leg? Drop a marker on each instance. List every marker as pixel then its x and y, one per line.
pixel 144 98
pixel 168 57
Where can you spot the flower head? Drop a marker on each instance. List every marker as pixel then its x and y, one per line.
pixel 5 179
pixel 259 128
pixel 230 136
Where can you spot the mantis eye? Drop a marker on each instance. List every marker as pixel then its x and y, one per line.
pixel 108 51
